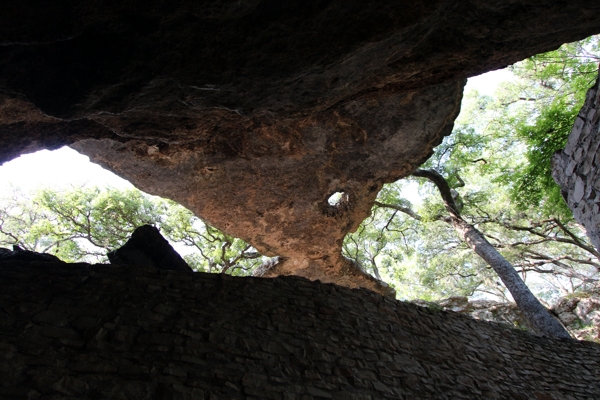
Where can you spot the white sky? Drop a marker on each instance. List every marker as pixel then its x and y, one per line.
pixel 58 169
pixel 65 167
pixel 488 83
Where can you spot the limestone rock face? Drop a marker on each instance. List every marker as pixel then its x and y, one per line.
pixel 274 192
pixel 253 113
pixel 577 168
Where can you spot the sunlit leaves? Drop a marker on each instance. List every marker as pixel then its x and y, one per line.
pixel 83 224
pixel 536 113
pixel 498 162
pixel 533 185
pixel 213 250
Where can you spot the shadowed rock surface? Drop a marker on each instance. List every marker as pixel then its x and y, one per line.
pixel 126 332
pixel 253 113
pixel 18 254
pixel 148 248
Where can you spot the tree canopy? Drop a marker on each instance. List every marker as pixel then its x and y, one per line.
pixel 84 223
pixel 497 162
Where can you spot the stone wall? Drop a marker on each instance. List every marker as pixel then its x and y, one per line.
pixel 577 168
pixel 120 332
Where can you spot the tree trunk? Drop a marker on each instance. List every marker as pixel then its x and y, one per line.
pixel 532 309
pixel 576 169
pixel 537 315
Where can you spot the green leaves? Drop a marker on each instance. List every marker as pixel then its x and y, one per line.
pixel 93 220
pixel 498 161
pixel 532 184
pixel 83 224
pixel 535 115
pixel 214 251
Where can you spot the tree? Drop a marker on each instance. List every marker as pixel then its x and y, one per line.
pixel 532 309
pixel 498 158
pixel 535 113
pixel 424 258
pixel 529 305
pixel 213 250
pixel 83 224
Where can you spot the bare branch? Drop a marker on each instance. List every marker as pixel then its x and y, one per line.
pixel 483 160
pixel 405 210
pixel 577 241
pixel 443 188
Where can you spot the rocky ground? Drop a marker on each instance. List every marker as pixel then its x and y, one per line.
pixel 579 312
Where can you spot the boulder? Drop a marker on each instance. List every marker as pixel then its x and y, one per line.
pixel 456 303
pixel 566 304
pixel 19 254
pixel 148 248
pixel 568 318
pixel 586 306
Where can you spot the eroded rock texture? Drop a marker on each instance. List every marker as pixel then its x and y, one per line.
pixel 274 191
pixel 251 113
pixel 577 168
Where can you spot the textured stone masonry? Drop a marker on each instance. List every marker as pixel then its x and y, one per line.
pixel 577 168
pixel 74 331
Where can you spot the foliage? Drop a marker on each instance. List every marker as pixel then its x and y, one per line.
pixel 498 162
pixel 214 251
pixel 536 112
pixel 375 245
pixel 533 183
pixel 83 224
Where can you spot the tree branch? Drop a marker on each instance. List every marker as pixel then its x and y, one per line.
pixel 443 188
pixel 405 210
pixel 532 309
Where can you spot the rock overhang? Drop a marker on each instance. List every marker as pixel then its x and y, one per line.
pixel 253 113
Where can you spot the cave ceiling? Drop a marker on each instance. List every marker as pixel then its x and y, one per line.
pixel 252 113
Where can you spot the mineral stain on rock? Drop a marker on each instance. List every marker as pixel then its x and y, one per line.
pixel 253 113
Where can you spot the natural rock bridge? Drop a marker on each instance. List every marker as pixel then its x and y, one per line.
pixel 252 113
